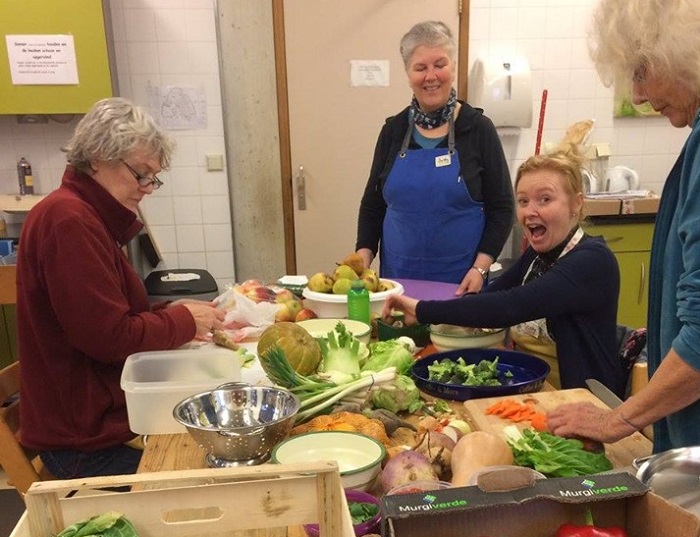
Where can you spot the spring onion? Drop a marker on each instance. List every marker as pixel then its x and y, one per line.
pixel 319 395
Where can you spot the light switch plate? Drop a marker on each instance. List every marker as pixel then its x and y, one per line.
pixel 215 162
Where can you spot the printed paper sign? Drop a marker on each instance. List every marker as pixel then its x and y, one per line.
pixel 42 59
pixel 369 73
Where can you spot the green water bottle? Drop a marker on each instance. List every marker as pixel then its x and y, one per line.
pixel 358 302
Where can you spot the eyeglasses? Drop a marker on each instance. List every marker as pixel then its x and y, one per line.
pixel 144 180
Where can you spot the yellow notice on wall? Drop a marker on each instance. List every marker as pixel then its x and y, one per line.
pixel 42 59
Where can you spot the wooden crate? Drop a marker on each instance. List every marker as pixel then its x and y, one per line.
pixel 260 501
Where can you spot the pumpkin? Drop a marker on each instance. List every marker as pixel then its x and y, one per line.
pixel 300 348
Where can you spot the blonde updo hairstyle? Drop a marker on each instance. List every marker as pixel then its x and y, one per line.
pixel 661 36
pixel 111 130
pixel 432 34
pixel 566 162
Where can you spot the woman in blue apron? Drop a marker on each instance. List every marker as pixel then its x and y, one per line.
pixel 438 204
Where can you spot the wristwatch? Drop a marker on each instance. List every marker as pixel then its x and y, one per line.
pixel 484 273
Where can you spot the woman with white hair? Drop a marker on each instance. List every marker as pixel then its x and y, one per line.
pixel 81 307
pixel 654 45
pixel 438 204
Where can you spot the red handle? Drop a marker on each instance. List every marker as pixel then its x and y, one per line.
pixel 540 125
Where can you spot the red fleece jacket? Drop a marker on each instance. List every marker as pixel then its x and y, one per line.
pixel 81 311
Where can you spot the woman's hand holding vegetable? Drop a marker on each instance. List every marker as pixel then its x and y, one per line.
pixel 589 421
pixel 206 317
pixel 402 303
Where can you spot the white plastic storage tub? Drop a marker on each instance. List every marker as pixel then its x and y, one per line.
pixel 155 382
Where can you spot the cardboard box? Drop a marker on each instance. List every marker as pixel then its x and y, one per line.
pixel 601 207
pixel 617 499
pixel 641 205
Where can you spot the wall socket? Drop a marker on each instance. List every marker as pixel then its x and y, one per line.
pixel 215 162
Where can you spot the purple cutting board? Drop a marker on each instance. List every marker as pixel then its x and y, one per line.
pixel 424 290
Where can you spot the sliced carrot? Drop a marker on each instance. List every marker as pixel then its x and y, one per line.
pixel 539 422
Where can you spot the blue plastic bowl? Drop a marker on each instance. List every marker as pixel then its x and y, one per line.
pixel 529 373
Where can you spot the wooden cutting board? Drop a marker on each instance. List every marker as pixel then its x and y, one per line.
pixel 620 453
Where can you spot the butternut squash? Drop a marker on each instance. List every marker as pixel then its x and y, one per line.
pixel 475 451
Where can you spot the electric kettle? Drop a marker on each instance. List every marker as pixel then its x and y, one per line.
pixel 621 178
pixel 590 182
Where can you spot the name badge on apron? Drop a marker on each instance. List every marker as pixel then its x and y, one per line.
pixel 443 160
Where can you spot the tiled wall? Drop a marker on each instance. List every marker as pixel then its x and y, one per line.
pixel 551 34
pixel 173 42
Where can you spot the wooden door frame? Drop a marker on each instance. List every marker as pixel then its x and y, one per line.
pixel 283 115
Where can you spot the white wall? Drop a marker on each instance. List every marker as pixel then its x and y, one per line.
pixel 161 43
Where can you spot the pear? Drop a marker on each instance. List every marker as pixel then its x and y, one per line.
pixel 370 279
pixel 321 282
pixel 355 262
pixel 344 271
pixel 342 286
pixel 385 285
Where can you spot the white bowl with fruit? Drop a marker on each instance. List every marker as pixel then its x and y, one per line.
pixel 327 293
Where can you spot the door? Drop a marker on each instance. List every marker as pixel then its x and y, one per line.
pixel 333 125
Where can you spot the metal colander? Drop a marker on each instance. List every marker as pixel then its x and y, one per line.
pixel 238 424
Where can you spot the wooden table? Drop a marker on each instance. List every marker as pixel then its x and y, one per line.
pixel 181 452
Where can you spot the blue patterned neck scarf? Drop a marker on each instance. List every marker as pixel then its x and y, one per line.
pixel 433 120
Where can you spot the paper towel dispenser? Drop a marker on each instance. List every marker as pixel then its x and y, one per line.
pixel 503 88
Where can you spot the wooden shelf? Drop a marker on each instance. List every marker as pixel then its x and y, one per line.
pixel 11 203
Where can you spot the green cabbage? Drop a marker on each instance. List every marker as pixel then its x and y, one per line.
pixel 398 397
pixel 390 353
pixel 109 524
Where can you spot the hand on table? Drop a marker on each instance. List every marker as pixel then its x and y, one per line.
pixel 472 282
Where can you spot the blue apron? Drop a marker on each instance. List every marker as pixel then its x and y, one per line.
pixel 432 227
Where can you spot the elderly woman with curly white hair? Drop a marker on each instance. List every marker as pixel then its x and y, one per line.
pixel 81 307
pixel 655 46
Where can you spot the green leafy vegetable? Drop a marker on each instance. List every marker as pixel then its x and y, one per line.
pixel 390 353
pixel 401 396
pixel 485 373
pixel 362 511
pixel 552 455
pixel 109 524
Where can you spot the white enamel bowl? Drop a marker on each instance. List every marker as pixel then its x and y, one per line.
pixel 320 327
pixel 328 305
pixel 447 337
pixel 359 456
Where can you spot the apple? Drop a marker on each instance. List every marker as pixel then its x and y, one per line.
pixel 294 306
pixel 249 285
pixel 284 295
pixel 304 314
pixel 261 294
pixel 287 311
pixel 283 315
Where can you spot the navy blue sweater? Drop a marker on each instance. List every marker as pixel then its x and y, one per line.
pixel 578 296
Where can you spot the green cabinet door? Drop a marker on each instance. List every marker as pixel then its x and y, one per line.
pixel 631 244
pixel 634 288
